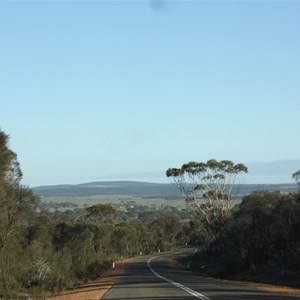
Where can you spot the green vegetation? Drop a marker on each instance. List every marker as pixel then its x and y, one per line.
pixel 296 176
pixel 261 241
pixel 48 245
pixel 46 249
pixel 119 201
pixel 17 206
pixel 211 188
pixel 257 239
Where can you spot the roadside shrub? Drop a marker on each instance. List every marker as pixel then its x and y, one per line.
pixel 96 268
pixel 11 290
pixel 38 274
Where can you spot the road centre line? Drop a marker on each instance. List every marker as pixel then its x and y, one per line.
pixel 177 284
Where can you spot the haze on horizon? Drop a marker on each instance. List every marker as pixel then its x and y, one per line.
pixel 275 172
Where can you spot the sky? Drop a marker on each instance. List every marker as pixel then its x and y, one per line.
pixel 123 90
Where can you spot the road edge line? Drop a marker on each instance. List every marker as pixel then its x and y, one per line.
pixel 177 284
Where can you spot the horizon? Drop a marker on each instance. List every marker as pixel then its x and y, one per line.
pixel 261 175
pixel 158 183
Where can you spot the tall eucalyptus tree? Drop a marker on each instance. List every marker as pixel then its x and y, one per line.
pixel 210 187
pixel 16 201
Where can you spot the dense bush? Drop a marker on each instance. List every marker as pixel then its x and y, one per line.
pixel 262 236
pixel 50 256
pixel 43 252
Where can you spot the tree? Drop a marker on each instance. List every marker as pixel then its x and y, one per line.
pixel 6 156
pixel 100 212
pixel 15 199
pixel 15 202
pixel 253 220
pixel 296 176
pixel 210 187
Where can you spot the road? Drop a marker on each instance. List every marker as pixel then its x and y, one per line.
pixel 152 277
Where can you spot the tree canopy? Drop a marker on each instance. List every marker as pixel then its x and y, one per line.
pixel 210 187
pixel 296 176
pixel 100 212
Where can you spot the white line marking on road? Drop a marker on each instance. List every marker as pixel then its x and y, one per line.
pixel 179 285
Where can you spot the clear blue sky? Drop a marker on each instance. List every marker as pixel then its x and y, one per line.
pixel 107 90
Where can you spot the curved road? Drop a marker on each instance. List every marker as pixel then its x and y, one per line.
pixel 153 278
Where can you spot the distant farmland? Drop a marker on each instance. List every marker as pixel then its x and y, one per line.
pixel 115 200
pixel 122 193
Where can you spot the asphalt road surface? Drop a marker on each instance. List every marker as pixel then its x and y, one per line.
pixel 152 277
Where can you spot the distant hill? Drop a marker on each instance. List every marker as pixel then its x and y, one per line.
pixel 139 189
pixel 130 188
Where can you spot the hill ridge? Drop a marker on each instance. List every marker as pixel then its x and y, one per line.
pixel 139 188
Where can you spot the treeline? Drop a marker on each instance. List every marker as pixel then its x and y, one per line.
pixel 43 252
pixel 258 239
pixel 45 255
pixel 56 255
pixel 261 241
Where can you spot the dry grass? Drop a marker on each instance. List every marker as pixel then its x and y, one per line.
pixel 93 290
pixel 275 288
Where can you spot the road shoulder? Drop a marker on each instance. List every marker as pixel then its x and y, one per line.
pixel 288 291
pixel 93 290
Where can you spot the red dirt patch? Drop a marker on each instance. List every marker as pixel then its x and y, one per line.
pixel 93 290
